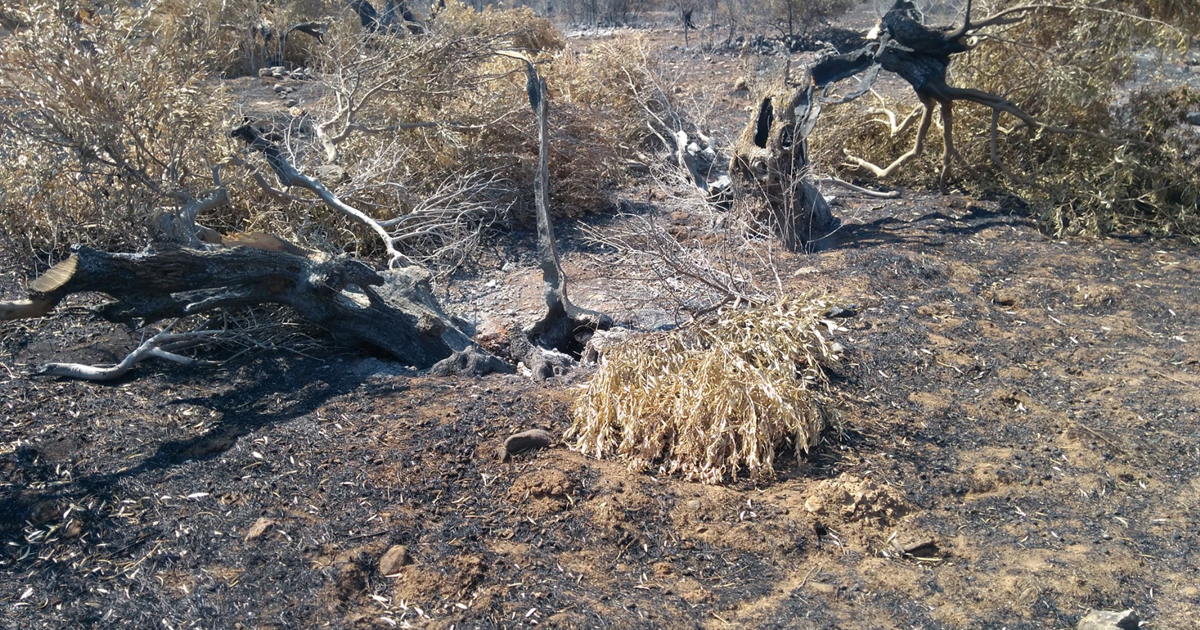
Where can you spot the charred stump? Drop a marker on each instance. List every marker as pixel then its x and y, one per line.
pixel 771 160
pixel 553 343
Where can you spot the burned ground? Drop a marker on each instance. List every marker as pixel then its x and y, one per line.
pixel 1026 406
pixel 1019 442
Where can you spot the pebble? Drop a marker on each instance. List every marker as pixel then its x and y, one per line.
pixel 259 528
pixel 527 441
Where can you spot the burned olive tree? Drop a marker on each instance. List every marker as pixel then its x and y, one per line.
pixel 771 157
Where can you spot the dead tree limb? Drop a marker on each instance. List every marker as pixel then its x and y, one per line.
pixel 290 176
pixel 393 312
pixel 164 345
pixel 921 56
pixel 554 341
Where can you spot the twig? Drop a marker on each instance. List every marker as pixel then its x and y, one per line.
pixel 891 194
pixel 1172 378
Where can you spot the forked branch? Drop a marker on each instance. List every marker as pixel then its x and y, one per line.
pixel 164 345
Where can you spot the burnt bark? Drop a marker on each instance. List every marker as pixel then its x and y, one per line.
pixel 771 159
pixel 393 312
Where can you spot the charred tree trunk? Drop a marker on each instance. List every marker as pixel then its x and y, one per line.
pixel 393 312
pixel 554 342
pixel 771 159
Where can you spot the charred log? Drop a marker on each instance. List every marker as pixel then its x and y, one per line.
pixel 393 312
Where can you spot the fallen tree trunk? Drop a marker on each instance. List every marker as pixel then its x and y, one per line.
pixel 393 312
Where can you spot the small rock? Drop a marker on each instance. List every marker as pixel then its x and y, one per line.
pixel 1193 118
pixel 260 528
pixel 393 560
pixel 740 85
pixel 823 588
pixel 264 72
pixel 1109 620
pixel 74 529
pixel 330 174
pixel 843 311
pixel 291 102
pixel 527 441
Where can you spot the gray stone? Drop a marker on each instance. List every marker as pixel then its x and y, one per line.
pixel 1193 118
pixel 330 174
pixel 1109 620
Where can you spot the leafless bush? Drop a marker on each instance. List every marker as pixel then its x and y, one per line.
pixel 100 129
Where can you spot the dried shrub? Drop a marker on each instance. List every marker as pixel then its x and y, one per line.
pixel 712 400
pixel 237 37
pixel 1070 69
pixel 101 126
pixel 124 116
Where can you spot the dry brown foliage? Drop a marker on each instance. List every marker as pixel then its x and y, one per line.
pixel 101 127
pixel 1068 67
pixel 715 399
pixel 124 115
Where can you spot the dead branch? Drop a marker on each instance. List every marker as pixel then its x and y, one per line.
pixel 891 194
pixel 921 56
pixel 164 345
pixel 290 176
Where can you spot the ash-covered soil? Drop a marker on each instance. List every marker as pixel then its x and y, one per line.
pixel 1021 415
pixel 1020 442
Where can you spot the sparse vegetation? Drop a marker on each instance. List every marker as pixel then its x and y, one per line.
pixel 303 260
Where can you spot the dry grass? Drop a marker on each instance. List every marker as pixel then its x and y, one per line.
pixel 713 400
pixel 1066 68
